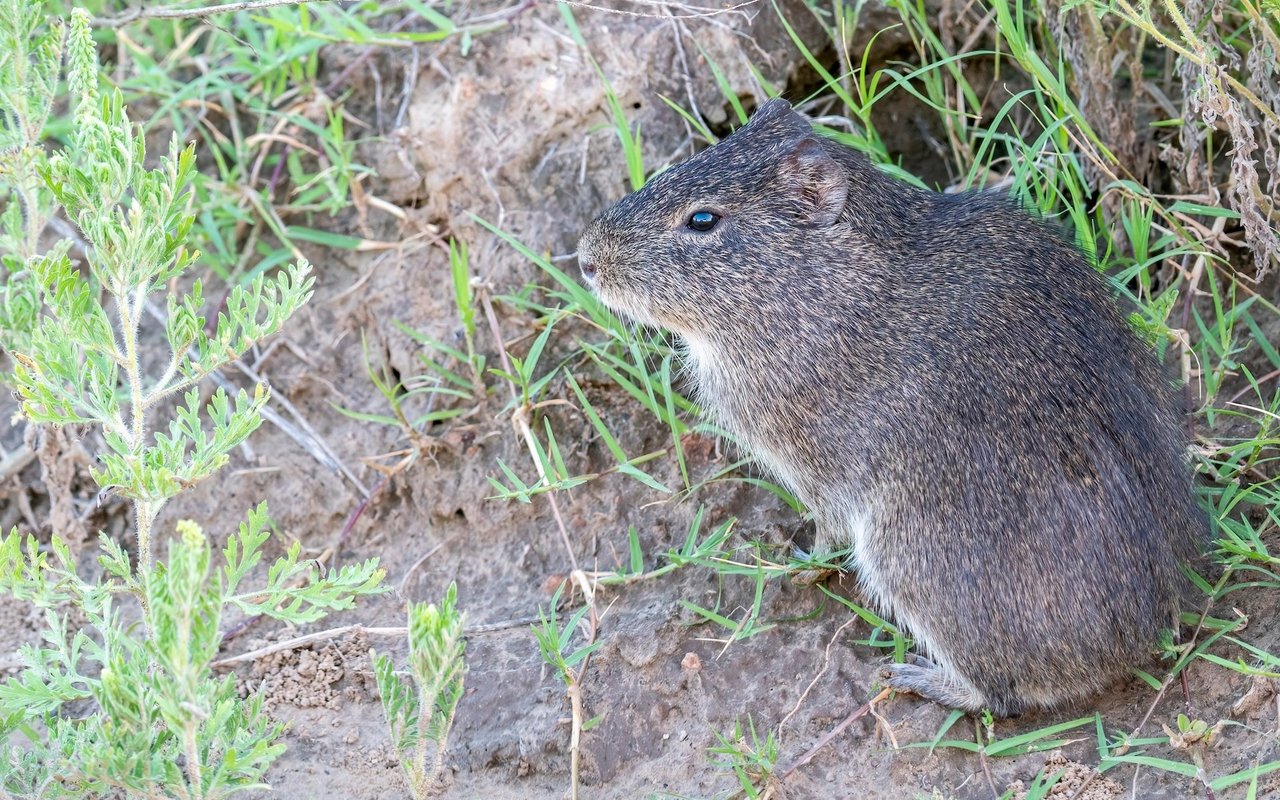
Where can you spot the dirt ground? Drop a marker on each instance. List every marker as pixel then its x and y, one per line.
pixel 517 132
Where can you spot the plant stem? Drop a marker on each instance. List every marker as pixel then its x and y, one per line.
pixel 1188 35
pixel 34 224
pixel 194 776
pixel 440 745
pixel 426 709
pixel 143 510
pixel 575 737
pixel 144 515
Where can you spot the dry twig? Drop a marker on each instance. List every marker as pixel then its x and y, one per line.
pixel 172 12
pixel 830 735
pixel 334 633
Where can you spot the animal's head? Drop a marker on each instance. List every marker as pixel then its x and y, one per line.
pixel 714 232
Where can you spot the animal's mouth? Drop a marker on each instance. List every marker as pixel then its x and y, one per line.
pixel 627 307
pixel 623 303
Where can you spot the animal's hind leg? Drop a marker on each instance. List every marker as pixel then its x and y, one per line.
pixel 923 678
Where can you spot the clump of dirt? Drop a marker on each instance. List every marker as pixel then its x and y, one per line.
pixel 325 676
pixel 1078 781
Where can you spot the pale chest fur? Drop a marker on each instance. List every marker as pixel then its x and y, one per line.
pixel 846 515
pixel 734 403
pixel 765 426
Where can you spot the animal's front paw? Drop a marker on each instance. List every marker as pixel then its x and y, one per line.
pixel 922 677
pixel 917 671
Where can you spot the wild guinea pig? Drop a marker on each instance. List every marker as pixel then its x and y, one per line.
pixel 947 385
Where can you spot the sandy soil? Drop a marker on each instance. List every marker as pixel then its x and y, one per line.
pixel 517 133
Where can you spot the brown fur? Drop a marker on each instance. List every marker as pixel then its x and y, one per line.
pixel 949 387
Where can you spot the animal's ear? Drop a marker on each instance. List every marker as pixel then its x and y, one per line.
pixel 817 183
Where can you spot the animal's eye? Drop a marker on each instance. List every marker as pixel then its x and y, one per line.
pixel 702 221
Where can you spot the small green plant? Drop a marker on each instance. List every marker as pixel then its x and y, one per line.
pixel 628 136
pixel 83 361
pixel 1041 785
pixel 160 723
pixel 30 68
pixel 554 642
pixel 120 696
pixel 750 757
pixel 413 400
pixel 1193 737
pixel 420 709
pixel 709 550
